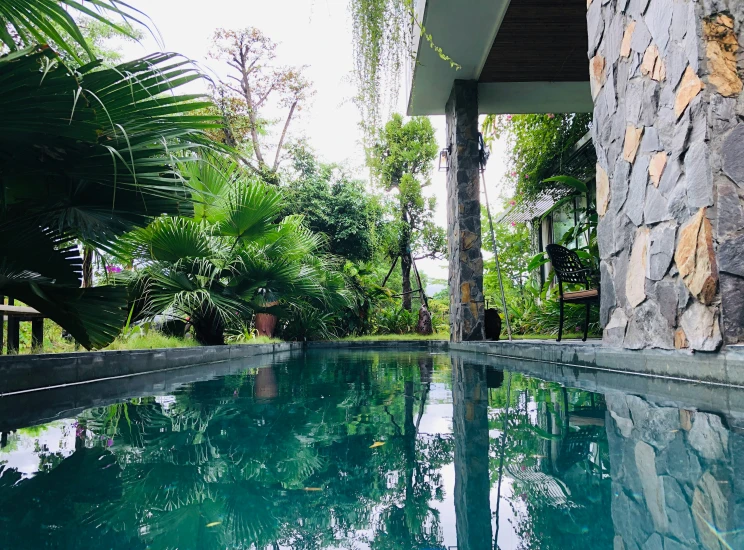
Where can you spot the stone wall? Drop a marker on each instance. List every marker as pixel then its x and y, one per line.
pixel 676 477
pixel 463 215
pixel 667 88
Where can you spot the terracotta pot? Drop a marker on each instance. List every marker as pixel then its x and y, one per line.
pixel 265 324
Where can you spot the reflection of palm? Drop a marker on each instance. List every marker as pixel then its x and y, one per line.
pixel 213 470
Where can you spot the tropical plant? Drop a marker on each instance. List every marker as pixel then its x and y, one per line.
pixel 395 320
pixel 334 204
pixel 538 147
pixel 86 154
pixel 401 161
pixel 231 260
pixel 384 32
pixel 24 23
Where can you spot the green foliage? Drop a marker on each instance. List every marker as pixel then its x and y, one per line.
pixel 335 205
pixel 384 32
pixel 395 320
pixel 537 146
pixel 400 160
pixel 234 261
pixel 24 23
pixel 87 154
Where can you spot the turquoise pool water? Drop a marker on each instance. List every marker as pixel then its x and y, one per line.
pixel 378 450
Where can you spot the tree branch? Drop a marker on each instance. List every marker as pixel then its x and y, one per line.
pixel 284 135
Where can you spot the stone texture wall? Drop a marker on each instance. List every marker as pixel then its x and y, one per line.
pixel 676 477
pixel 463 215
pixel 667 88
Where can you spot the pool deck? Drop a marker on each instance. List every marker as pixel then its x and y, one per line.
pixel 725 368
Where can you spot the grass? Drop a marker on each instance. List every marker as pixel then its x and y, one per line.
pixel 393 337
pixel 150 340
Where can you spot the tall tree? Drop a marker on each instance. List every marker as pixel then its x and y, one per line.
pixel 401 161
pixel 334 204
pixel 256 81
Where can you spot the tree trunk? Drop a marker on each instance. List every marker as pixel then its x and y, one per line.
pixel 405 264
pixel 87 266
pixel 405 259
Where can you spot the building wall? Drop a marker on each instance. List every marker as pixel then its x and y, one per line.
pixel 668 130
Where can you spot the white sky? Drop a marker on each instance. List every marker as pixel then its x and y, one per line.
pixel 316 33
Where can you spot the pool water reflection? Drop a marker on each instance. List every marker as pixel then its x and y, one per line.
pixel 374 450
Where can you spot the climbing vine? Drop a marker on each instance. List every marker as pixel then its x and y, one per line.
pixel 384 32
pixel 538 147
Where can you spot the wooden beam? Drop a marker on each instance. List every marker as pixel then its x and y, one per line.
pixel 22 312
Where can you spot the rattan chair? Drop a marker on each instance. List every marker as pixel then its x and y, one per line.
pixel 569 269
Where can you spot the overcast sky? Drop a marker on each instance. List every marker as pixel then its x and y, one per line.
pixel 315 33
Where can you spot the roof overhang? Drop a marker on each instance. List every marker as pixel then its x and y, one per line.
pixel 528 56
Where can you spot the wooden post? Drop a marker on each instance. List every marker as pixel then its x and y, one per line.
pixel 14 331
pixel 37 335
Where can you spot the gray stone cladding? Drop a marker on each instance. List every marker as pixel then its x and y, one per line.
pixel 463 215
pixel 676 480
pixel 666 77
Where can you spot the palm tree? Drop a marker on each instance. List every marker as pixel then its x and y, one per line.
pixel 231 260
pixel 86 154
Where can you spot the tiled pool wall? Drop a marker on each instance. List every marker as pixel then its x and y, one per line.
pixel 25 373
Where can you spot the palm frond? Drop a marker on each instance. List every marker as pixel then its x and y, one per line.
pixel 25 22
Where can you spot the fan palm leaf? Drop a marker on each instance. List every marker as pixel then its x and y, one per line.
pixel 25 22
pixel 87 155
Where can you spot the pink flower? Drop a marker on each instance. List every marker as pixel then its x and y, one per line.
pixel 508 117
pixel 512 202
pixel 110 443
pixel 514 224
pixel 113 269
pixel 551 115
pixel 514 174
pixel 526 176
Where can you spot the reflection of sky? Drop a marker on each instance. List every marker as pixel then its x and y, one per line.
pixel 22 452
pixel 437 419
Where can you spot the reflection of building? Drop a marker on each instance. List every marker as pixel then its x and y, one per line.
pixel 562 473
pixel 674 477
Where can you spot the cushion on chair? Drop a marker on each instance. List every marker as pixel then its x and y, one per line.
pixel 580 295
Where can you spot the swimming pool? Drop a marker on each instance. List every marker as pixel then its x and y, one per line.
pixel 379 450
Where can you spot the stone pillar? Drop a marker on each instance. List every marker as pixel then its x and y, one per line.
pixel 463 215
pixel 668 107
pixel 472 482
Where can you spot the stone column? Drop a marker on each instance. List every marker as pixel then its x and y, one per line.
pixel 463 215
pixel 472 483
pixel 668 107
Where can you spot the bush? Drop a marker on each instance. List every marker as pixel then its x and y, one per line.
pixel 395 320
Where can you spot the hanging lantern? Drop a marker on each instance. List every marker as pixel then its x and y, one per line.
pixel 444 155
